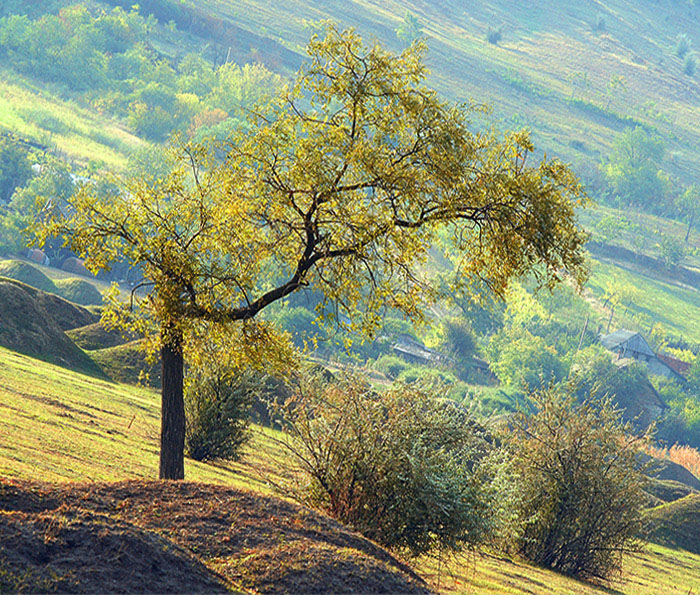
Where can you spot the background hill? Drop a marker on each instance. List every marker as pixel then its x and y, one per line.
pixel 550 68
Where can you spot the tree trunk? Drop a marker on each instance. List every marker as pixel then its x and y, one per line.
pixel 172 432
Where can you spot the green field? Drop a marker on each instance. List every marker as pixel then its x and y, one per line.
pixel 648 301
pixel 74 132
pixel 56 425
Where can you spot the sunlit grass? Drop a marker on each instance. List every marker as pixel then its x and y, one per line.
pixel 653 301
pixel 60 426
pixel 82 135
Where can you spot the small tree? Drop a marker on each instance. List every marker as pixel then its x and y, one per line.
pixel 409 30
pixel 689 205
pixel 580 492
pixel 683 45
pixel 690 64
pixel 398 466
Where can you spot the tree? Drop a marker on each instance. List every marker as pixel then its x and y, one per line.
pixel 689 205
pixel 633 168
pixel 579 490
pixel 15 169
pixel 616 85
pixel 341 186
pixel 409 30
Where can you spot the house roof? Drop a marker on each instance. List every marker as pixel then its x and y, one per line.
pixel 629 341
pixel 678 366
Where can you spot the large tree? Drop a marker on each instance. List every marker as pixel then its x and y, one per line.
pixel 341 186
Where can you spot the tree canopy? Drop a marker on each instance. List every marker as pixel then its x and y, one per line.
pixel 340 185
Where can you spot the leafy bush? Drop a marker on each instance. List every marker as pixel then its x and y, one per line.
pixel 690 65
pixel 523 360
pixel 578 489
pixel 682 46
pixel 458 340
pixel 398 466
pixel 493 36
pixel 217 404
pixel 390 365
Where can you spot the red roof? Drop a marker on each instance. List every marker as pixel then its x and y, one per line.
pixel 677 365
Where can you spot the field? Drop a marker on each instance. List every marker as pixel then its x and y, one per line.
pixel 648 301
pixel 76 133
pixel 60 426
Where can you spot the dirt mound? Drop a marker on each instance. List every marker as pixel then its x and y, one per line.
pixel 238 538
pixel 678 524
pixel 26 273
pixel 79 291
pixel 667 490
pixel 668 470
pixel 94 336
pixel 31 323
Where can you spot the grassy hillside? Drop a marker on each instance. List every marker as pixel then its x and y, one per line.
pixel 78 133
pixel 533 76
pixel 59 426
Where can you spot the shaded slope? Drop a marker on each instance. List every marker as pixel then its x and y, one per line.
pixel 677 524
pixel 256 542
pixel 127 363
pixel 70 551
pixel 32 322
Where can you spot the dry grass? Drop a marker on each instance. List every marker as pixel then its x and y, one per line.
pixel 685 456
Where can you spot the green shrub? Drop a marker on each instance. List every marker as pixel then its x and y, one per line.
pixel 690 65
pixel 390 365
pixel 599 25
pixel 399 466
pixel 682 46
pixel 217 406
pixel 577 487
pixel 493 36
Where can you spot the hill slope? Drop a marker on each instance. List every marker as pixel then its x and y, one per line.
pixel 550 71
pixel 32 322
pixel 58 425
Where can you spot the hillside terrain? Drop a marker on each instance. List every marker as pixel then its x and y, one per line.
pixel 97 89
pixel 67 428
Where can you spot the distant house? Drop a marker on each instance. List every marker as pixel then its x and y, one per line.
pixel 631 345
pixel 416 352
